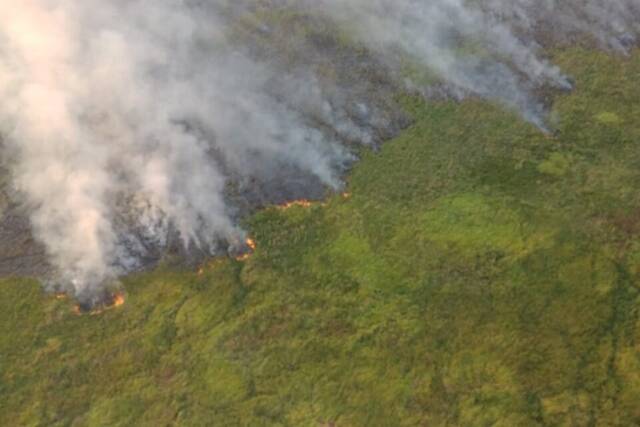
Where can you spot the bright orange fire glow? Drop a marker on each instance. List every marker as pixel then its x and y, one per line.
pixel 251 244
pixel 116 301
pixel 302 203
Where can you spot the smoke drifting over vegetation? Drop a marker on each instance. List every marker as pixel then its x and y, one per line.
pixel 133 123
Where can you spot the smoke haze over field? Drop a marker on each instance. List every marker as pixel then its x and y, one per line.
pixel 128 120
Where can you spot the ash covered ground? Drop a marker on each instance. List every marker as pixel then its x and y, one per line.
pixel 353 84
pixel 138 129
pixel 483 271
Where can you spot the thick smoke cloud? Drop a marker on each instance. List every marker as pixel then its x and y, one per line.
pixel 127 121
pixel 120 107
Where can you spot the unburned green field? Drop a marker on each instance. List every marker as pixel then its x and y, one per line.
pixel 480 273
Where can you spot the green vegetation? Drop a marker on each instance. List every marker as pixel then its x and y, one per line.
pixel 481 273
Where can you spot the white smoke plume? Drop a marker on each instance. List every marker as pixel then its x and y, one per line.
pixel 126 120
pixel 487 47
pixel 613 24
pixel 130 102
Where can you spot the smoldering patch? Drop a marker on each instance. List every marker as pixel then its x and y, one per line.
pixel 99 302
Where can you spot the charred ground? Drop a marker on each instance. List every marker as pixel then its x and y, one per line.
pixel 480 273
pixel 350 78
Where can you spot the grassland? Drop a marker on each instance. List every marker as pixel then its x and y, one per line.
pixel 480 273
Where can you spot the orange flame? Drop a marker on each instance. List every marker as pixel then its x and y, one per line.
pixel 251 244
pixel 302 203
pixel 116 301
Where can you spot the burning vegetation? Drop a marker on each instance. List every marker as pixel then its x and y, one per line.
pixel 251 243
pixel 94 307
pixel 304 203
pixel 250 247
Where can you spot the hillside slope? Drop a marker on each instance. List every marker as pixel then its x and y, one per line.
pixel 479 273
